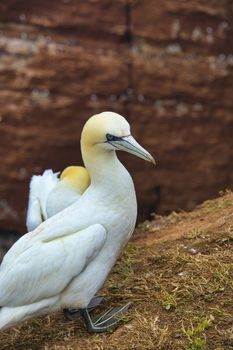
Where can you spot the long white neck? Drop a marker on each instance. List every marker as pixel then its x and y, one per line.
pixel 103 166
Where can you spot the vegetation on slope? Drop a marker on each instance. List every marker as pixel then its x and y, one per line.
pixel 178 271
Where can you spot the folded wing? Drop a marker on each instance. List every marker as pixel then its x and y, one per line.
pixel 43 269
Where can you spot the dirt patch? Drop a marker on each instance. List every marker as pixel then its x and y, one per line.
pixel 178 271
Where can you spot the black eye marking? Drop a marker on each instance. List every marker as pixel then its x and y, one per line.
pixel 110 138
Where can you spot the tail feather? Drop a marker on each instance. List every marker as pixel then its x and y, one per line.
pixel 39 188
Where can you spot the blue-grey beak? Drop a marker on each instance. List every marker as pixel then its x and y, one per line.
pixel 130 145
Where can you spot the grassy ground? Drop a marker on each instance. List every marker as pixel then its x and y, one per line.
pixel 178 271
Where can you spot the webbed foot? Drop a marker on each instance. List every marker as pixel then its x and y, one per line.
pixel 106 322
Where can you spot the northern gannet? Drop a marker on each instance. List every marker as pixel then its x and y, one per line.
pixel 49 194
pixel 67 258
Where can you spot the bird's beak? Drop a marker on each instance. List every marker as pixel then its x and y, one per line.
pixel 130 145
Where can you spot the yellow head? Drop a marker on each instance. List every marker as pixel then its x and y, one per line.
pixel 110 132
pixel 77 177
pixel 96 128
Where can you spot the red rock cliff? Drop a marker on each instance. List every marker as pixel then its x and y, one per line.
pixel 165 65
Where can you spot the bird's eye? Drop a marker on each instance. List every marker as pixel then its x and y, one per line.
pixel 110 137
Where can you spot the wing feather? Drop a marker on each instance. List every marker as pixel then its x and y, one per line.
pixel 42 270
pixel 39 189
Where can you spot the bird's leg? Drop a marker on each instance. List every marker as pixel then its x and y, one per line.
pixel 108 321
pixel 72 314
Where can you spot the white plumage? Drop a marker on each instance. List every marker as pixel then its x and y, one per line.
pixel 49 194
pixel 65 261
pixel 39 189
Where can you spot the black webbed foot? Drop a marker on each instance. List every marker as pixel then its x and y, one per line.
pixel 106 322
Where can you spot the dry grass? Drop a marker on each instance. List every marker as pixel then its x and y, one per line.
pixel 178 271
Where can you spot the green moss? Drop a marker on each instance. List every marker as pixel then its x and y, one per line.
pixel 195 333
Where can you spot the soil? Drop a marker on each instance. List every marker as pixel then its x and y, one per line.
pixel 177 271
pixel 168 71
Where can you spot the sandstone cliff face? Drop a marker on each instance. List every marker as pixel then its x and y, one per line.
pixel 166 66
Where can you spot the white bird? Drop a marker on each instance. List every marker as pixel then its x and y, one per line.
pixel 65 261
pixel 49 194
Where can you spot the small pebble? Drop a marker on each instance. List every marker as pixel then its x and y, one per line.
pixel 182 273
pixel 192 250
